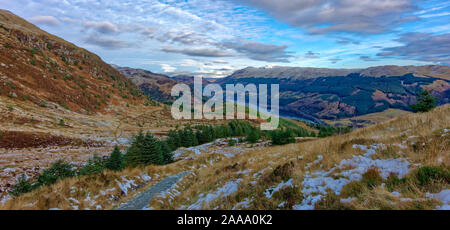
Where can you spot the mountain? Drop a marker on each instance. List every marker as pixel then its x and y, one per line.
pixel 302 73
pixel 60 101
pixel 319 93
pixel 189 80
pixel 155 86
pixel 48 71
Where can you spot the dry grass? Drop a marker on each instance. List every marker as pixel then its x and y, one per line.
pixel 269 166
pixel 419 128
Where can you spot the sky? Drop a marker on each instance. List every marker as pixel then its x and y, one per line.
pixel 213 38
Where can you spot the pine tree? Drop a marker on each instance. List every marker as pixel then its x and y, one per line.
pixel 166 152
pixel 425 102
pixel 115 160
pixel 173 140
pixel 151 151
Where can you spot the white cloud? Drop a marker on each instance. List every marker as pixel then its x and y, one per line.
pixel 45 20
pixel 167 68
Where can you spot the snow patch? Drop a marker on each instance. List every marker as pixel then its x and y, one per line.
pixel 444 197
pixel 270 191
pixel 318 183
pixel 224 191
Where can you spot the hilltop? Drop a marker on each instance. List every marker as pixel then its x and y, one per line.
pixel 302 73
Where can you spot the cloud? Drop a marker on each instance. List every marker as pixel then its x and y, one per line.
pixel 334 60
pixel 366 58
pixel 220 62
pixel 103 27
pixel 259 51
pixel 167 68
pixel 197 52
pixel 45 20
pixel 344 41
pixel 311 55
pixel 421 46
pixel 184 37
pixel 325 16
pixel 105 42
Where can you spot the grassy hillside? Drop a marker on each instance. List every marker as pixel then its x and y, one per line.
pixel 398 164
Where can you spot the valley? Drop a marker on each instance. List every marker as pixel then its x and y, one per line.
pixel 64 113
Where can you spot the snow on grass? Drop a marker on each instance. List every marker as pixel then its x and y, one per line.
pixel 270 191
pixel 126 184
pixel 348 199
pixel 444 197
pixel 224 191
pixel 146 177
pixel 318 183
pixel 243 204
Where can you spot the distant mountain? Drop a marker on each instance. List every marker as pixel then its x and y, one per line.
pixel 50 72
pixel 156 86
pixel 320 93
pixel 302 73
pixel 186 79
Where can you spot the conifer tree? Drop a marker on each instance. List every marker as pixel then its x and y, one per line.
pixel 115 160
pixel 166 152
pixel 425 102
pixel 151 150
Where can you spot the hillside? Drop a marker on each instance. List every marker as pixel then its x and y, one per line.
pixel 314 93
pixel 155 86
pixel 60 101
pixel 398 164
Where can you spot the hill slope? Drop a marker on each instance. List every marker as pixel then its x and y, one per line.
pixel 156 86
pixel 49 71
pixel 384 166
pixel 317 93
pixel 59 101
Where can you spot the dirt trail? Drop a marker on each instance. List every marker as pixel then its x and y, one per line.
pixel 142 200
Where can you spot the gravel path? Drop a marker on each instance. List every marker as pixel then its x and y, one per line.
pixel 142 200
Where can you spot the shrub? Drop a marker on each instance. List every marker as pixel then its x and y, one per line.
pixel 331 202
pixel 231 142
pixel 427 174
pixel 95 165
pixel 282 137
pixel 281 173
pixel 352 189
pixel 22 186
pixel 61 122
pixel 58 170
pixel 372 178
pixel 253 136
pixel 393 182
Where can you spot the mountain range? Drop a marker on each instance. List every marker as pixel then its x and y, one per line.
pixel 321 93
